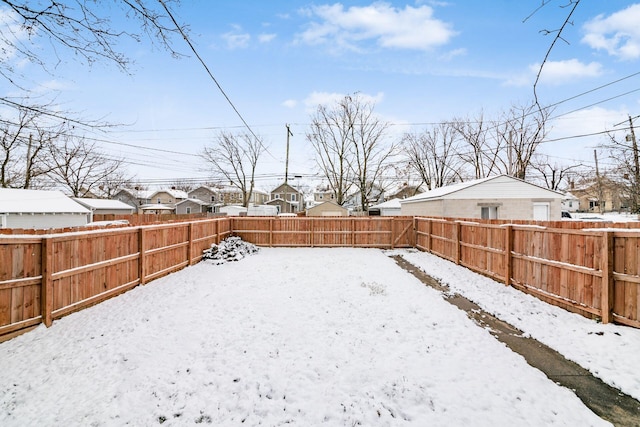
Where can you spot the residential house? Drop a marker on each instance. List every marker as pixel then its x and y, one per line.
pixel 324 193
pixel 496 197
pixel 40 209
pixel 403 191
pixel 169 197
pixel 327 208
pixel 354 200
pixel 133 196
pixel 570 203
pixel 191 206
pixel 287 199
pixel 611 195
pixel 388 208
pixel 106 206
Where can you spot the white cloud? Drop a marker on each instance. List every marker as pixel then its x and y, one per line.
pixel 326 98
pixel 583 122
pixel 453 54
pixel 558 72
pixel 555 73
pixel 266 38
pixel 409 28
pixel 236 39
pixel 290 103
pixel 618 34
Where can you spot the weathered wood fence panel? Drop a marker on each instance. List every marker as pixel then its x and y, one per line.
pixel 591 272
pixel 45 277
pixel 371 232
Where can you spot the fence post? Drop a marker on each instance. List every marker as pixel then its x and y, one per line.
pixel 429 228
pixel 393 231
pixel 312 234
pixel 353 232
pixel 508 248
pixel 47 281
pixel 458 254
pixel 607 275
pixel 190 246
pixel 270 232
pixel 141 260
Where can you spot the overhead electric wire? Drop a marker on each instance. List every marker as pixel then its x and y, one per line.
pixel 195 52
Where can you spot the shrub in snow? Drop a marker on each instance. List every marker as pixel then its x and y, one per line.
pixel 230 249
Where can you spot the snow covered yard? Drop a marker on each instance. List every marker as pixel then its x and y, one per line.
pixel 336 337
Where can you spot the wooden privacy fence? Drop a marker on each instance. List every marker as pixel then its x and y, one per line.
pixel 46 277
pixel 369 232
pixel 592 272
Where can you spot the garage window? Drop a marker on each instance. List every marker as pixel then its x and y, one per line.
pixel 489 212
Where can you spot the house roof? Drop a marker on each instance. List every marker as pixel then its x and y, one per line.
pixel 103 204
pixel 176 194
pixel 389 204
pixel 37 201
pixel 137 194
pixel 330 203
pixel 196 201
pixel 448 190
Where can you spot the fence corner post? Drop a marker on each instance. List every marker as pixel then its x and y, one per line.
pixel 607 276
pixel 508 248
pixel 47 281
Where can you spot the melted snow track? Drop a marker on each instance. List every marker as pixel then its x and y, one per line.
pixel 607 402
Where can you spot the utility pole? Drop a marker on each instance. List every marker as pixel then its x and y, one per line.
pixel 636 166
pixel 286 165
pixel 600 207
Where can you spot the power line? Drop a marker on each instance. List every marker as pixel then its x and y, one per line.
pixel 195 52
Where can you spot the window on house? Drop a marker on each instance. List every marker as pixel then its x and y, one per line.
pixel 294 198
pixel 489 212
pixel 159 200
pixel 321 196
pixel 188 209
pixel 277 196
pixel 213 198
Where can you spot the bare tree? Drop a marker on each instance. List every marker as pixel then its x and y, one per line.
pixel 330 138
pixel 234 158
pixel 478 149
pixel 522 130
pixel 24 144
pixel 623 153
pixel 351 148
pixel 433 155
pixel 554 175
pixel 82 30
pixel 80 166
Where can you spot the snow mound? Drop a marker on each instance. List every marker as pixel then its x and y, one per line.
pixel 230 249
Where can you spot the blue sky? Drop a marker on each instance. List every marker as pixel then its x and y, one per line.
pixel 419 61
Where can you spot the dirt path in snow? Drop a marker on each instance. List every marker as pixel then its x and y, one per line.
pixel 607 402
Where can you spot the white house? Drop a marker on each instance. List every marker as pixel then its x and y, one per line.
pixel 570 203
pixel 40 209
pixel 106 206
pixel 496 197
pixel 388 208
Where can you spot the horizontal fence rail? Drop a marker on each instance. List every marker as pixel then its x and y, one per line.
pixel 43 278
pixel 593 272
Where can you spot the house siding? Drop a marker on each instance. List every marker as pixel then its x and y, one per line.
pixel 327 209
pixel 45 221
